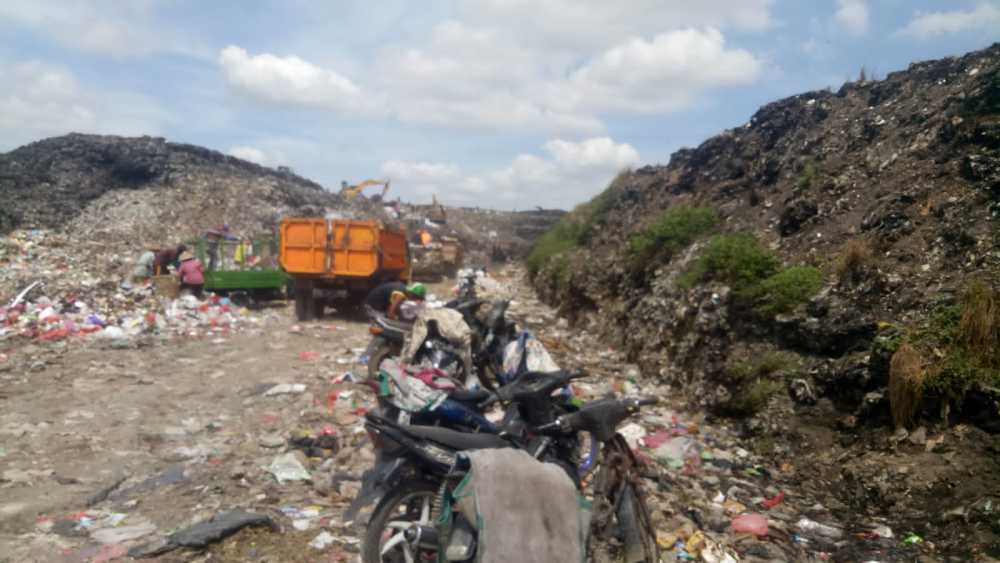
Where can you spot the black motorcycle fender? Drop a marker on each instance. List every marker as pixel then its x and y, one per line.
pixel 376 482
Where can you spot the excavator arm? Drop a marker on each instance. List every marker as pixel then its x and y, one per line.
pixel 351 192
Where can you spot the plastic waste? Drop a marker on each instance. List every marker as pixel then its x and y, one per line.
pixel 123 533
pixel 674 451
pixel 322 541
pixel 882 531
pixel 112 332
pixel 811 527
pixel 632 433
pixel 774 501
pixel 912 539
pixel 287 467
pixel 285 389
pixel 755 524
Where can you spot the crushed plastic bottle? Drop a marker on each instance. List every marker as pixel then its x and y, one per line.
pixel 811 527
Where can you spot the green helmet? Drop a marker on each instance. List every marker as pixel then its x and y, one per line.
pixel 417 290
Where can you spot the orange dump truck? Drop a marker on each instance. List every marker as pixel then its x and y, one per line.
pixel 339 260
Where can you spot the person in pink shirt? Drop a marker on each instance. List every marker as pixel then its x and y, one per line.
pixel 191 274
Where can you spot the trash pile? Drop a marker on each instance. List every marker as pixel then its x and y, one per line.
pixel 53 293
pixel 127 315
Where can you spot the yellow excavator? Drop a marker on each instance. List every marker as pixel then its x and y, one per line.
pixel 351 192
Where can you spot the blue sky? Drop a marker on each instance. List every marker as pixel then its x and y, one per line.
pixel 498 103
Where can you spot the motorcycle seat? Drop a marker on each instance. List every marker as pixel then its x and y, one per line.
pixel 467 396
pixel 457 440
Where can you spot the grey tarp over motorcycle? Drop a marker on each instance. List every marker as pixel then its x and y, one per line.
pixel 452 327
pixel 527 511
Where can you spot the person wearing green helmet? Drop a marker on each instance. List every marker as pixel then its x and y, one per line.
pixel 386 299
pixel 416 291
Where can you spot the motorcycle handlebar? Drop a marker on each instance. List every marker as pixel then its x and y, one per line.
pixel 492 400
pixel 600 417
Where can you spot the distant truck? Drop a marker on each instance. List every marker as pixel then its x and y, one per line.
pixel 338 261
pixel 437 260
pixel 244 268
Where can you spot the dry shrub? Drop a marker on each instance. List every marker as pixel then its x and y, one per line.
pixel 979 330
pixel 906 384
pixel 852 259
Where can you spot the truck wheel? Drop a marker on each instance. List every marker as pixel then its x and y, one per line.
pixel 305 302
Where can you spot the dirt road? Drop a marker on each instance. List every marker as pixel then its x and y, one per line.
pixel 105 450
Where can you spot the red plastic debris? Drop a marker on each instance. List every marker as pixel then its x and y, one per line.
pixel 306 356
pixel 751 523
pixel 775 501
pixel 55 334
pixel 331 399
pixel 656 439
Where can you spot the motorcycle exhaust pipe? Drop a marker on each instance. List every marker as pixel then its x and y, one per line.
pixel 422 536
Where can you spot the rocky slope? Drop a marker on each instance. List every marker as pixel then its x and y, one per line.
pixel 788 271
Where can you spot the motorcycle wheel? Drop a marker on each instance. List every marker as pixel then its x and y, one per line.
pixel 623 502
pixel 410 502
pixel 637 528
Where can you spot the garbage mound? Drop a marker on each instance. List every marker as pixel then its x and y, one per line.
pixel 817 276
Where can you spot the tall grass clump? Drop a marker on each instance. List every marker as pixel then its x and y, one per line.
pixel 851 261
pixel 906 384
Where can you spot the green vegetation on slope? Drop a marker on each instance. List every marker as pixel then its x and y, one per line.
pixel 754 272
pixel 677 228
pixel 970 334
pixel 573 230
pixel 957 351
pixel 783 291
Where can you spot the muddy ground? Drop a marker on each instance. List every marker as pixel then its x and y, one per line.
pixel 103 450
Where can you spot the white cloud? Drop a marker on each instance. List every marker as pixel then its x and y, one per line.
pixel 601 152
pixel 852 16
pixel 488 73
pixel 250 153
pixel 662 74
pixel 106 27
pixel 292 81
pixel 597 24
pixel 42 100
pixel 468 77
pixel 985 16
pixel 569 173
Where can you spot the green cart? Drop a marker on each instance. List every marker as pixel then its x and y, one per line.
pixel 244 268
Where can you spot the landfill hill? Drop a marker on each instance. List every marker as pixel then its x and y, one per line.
pixel 144 189
pixel 105 197
pixel 795 273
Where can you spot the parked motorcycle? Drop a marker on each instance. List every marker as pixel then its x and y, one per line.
pixel 387 341
pixel 396 463
pixel 404 524
pixel 416 465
